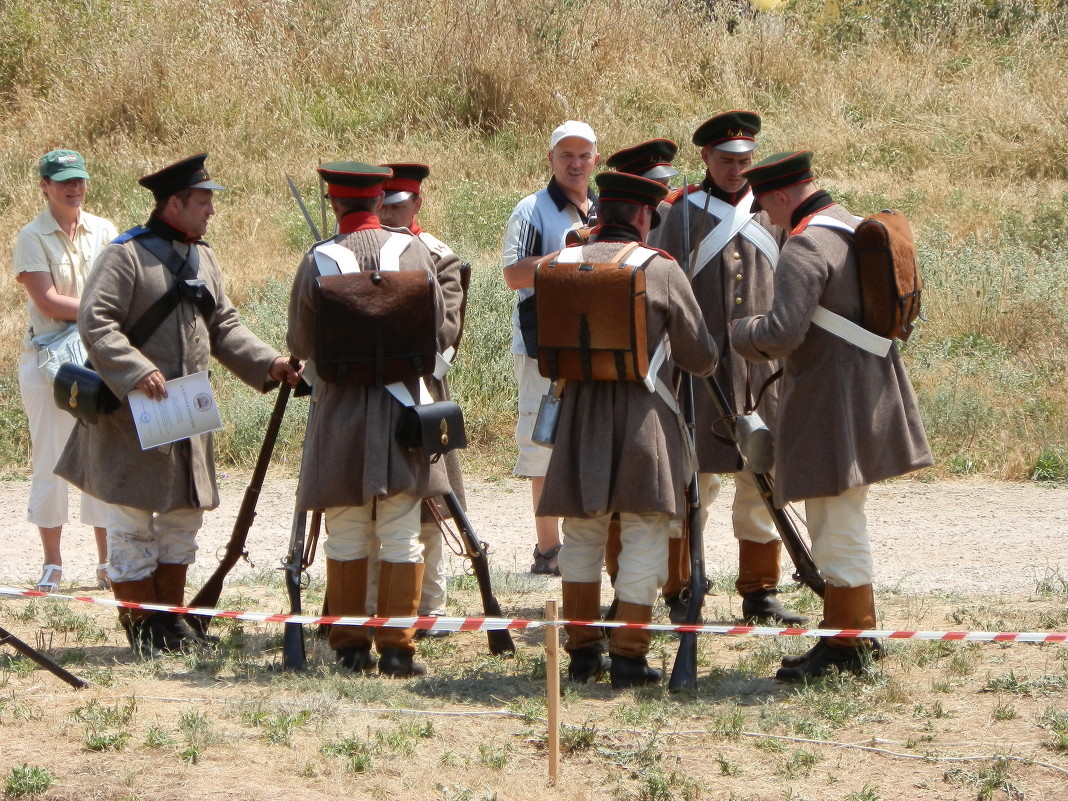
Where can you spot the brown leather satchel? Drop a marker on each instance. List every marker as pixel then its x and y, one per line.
pixel 375 328
pixel 591 320
pixel 890 282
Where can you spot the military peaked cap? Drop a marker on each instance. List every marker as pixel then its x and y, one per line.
pixel 186 174
pixel 731 132
pixel 779 171
pixel 623 187
pixel 650 159
pixel 353 178
pixel 406 181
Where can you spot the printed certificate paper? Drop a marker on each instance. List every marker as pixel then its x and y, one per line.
pixel 188 409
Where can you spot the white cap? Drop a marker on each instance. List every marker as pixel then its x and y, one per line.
pixel 572 128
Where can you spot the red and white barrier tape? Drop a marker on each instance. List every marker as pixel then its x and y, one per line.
pixel 498 623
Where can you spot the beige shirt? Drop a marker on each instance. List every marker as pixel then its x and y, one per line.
pixel 42 246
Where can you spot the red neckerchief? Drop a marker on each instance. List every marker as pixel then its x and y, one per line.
pixel 358 221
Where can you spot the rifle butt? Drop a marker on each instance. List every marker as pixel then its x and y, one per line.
pixel 684 669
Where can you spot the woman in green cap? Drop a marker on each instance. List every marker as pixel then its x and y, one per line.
pixel 53 255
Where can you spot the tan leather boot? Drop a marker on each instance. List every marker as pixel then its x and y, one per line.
pixel 399 587
pixel 170 589
pixel 143 630
pixel 628 649
pixel 678 579
pixel 585 644
pixel 758 578
pixel 843 608
pixel 346 595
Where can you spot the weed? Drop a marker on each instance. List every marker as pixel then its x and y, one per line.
pixel 27 780
pixel 531 709
pixel 577 738
pixel 866 793
pixel 1014 685
pixel 157 737
pixel 1005 711
pixel 491 757
pixel 726 767
pixel 97 715
pixel 799 764
pixel 356 753
pixel 989 781
pixel 105 741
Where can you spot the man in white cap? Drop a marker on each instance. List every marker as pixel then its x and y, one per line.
pixel 537 228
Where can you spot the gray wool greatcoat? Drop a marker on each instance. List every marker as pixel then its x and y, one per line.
pixel 106 459
pixel 736 283
pixel 351 455
pixel 619 448
pixel 847 417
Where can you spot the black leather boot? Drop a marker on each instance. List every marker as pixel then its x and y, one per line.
pixel 677 609
pixel 632 671
pixel 793 660
pixel 765 605
pixel 588 664
pixel 854 659
pixel 355 658
pixel 398 664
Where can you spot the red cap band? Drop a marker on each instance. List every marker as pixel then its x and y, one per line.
pixel 337 190
pixel 403 185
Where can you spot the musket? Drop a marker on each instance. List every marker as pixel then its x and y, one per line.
pixel 304 209
pixel 294 565
pixel 235 548
pixel 805 570
pixel 7 638
pixel 500 640
pixel 684 668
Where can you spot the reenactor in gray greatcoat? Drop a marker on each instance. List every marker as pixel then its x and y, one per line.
pixel 732 264
pixel 621 449
pixel 848 417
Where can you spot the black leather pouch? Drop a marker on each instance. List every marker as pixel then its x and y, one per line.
pixel 437 428
pixel 81 391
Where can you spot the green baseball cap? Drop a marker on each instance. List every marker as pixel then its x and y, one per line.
pixel 62 165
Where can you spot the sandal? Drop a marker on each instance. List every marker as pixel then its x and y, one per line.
pixel 546 564
pixel 103 580
pixel 50 578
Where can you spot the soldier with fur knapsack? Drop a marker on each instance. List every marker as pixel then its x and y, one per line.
pixel 848 417
pixel 620 448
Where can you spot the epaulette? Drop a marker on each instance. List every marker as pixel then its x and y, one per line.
pixel 435 245
pixel 133 233
pixel 675 194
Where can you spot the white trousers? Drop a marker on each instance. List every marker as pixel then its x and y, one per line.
pixel 432 593
pixel 351 530
pixel 642 561
pixel 139 540
pixel 750 516
pixel 838 529
pixel 50 428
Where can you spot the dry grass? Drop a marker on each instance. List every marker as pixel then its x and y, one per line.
pixel 952 112
pixel 931 721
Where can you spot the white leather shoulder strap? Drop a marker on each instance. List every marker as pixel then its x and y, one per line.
pixel 334 259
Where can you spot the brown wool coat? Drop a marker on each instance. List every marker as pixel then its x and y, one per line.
pixel 350 453
pixel 619 448
pixel 447 268
pixel 847 418
pixel 739 271
pixel 106 459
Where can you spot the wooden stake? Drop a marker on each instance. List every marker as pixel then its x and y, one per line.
pixel 552 687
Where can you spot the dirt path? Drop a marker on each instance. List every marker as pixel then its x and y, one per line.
pixel 961 536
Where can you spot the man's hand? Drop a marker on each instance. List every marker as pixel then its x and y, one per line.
pixel 288 370
pixel 154 385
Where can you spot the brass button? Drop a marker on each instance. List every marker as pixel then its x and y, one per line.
pixel 737 255
pixel 737 301
pixel 738 277
pixel 196 339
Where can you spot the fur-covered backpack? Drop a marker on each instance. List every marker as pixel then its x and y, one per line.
pixel 890 282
